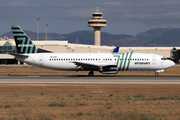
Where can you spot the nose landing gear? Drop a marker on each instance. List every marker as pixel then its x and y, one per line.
pixel 156 74
pixel 91 73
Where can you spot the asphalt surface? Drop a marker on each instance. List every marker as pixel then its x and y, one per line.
pixel 163 79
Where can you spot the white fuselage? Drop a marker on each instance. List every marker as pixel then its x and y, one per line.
pixel 124 61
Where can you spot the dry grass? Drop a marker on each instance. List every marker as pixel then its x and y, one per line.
pixel 89 101
pixel 33 70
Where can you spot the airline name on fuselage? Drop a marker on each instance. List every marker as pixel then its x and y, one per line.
pixel 25 45
pixel 142 63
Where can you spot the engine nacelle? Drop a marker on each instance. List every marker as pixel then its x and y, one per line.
pixel 110 69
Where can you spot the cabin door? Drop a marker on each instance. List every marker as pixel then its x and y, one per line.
pixel 41 60
pixel 154 60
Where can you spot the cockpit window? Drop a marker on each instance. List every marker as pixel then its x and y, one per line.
pixel 163 58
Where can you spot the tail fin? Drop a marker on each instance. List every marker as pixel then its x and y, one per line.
pixel 23 42
pixel 116 50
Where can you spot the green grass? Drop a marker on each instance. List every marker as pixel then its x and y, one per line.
pixel 62 104
pixel 138 95
pixel 7 106
pixel 89 96
pixel 128 98
pixel 43 117
pixel 89 113
pixel 80 114
pixel 110 94
pixel 83 94
pixel 160 98
pixel 20 105
pixel 70 95
pixel 108 105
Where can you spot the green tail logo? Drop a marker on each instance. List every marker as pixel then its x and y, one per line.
pixel 23 42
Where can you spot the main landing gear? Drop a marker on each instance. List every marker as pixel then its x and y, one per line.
pixel 156 74
pixel 91 73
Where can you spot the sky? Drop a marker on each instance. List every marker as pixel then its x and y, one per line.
pixel 65 16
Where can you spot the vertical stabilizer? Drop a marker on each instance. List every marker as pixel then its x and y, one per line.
pixel 24 44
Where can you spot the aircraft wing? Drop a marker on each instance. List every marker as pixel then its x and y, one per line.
pixel 18 55
pixel 86 65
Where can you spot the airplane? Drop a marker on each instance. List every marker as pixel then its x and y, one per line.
pixel 106 63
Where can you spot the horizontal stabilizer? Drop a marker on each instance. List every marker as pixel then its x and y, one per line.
pixel 18 55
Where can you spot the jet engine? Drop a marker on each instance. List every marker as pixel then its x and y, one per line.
pixel 110 69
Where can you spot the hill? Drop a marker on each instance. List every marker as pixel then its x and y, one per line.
pixel 153 37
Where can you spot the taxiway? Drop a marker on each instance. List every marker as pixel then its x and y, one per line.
pixel 164 79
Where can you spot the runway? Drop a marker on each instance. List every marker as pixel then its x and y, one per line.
pixel 163 79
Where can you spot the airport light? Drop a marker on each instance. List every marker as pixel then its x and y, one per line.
pixel 76 40
pixel 38 29
pixel 46 31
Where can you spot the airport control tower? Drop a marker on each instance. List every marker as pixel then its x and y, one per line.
pixel 97 22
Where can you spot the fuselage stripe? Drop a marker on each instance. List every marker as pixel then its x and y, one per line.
pixel 31 48
pixel 121 62
pixel 129 61
pixel 125 61
pixel 117 63
pixel 27 46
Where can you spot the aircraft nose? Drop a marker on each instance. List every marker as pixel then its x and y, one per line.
pixel 171 63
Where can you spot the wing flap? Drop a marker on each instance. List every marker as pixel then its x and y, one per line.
pixel 87 65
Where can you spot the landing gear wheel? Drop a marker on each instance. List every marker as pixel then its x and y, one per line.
pixel 156 74
pixel 91 73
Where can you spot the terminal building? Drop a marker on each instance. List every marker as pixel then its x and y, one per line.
pixel 9 46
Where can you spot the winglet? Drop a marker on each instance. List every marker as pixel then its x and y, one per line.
pixel 116 50
pixel 132 51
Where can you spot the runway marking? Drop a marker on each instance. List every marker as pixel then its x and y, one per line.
pixel 4 76
pixel 33 76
